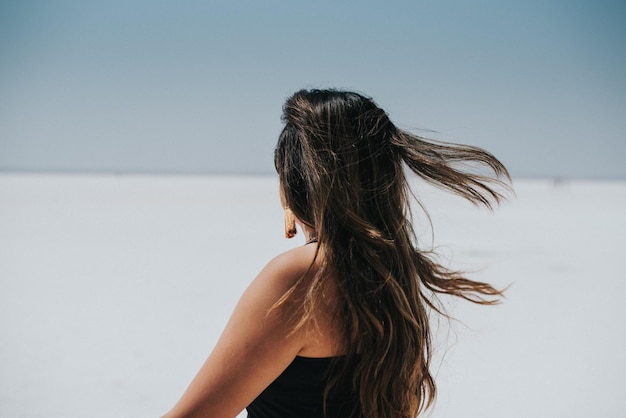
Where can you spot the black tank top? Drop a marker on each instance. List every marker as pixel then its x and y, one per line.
pixel 299 391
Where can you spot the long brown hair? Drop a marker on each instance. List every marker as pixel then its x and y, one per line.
pixel 341 164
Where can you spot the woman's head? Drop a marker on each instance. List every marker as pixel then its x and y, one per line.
pixel 341 167
pixel 334 155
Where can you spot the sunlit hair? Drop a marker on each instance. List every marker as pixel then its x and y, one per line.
pixel 341 164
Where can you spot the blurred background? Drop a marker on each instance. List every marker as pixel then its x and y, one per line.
pixel 138 197
pixel 197 86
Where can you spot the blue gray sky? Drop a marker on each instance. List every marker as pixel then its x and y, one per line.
pixel 197 86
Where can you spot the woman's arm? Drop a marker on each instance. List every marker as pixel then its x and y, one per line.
pixel 253 349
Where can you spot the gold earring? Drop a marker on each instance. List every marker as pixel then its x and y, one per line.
pixel 290 223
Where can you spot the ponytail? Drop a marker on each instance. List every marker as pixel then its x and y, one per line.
pixel 440 163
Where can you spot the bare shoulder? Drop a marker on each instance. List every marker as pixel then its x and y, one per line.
pixel 256 345
pixel 278 276
pixel 288 267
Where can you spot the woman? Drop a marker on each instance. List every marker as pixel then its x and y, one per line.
pixel 339 327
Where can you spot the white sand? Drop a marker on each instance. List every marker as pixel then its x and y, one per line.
pixel 113 289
